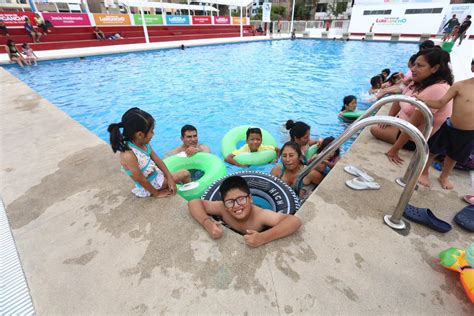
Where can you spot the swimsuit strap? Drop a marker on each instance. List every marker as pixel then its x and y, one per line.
pixel 148 153
pixel 282 171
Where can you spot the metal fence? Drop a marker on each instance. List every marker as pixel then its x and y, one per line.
pixel 301 26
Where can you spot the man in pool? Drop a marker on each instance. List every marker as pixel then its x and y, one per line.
pixel 190 143
pixel 259 226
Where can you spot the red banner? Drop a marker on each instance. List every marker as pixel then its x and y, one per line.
pixel 202 20
pixel 16 18
pixel 68 19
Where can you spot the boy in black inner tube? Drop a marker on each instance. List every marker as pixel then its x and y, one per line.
pixel 237 210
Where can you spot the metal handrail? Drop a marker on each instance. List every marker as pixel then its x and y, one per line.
pixel 420 158
pixel 427 115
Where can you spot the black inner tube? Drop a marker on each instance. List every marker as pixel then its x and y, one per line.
pixel 279 196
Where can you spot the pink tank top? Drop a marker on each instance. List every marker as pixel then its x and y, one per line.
pixel 433 92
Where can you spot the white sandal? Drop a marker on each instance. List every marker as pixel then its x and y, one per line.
pixel 361 184
pixel 355 171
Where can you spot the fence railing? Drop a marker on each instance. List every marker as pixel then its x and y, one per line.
pixel 301 26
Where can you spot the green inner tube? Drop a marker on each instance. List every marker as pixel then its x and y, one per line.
pixel 213 168
pixel 238 134
pixel 352 115
pixel 311 151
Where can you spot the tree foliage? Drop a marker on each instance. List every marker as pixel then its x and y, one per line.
pixel 277 12
pixel 336 8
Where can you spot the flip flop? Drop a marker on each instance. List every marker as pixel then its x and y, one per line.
pixel 361 184
pixel 469 199
pixel 353 170
pixel 425 217
pixel 465 218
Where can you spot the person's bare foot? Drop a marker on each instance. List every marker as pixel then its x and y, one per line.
pixel 424 180
pixel 445 184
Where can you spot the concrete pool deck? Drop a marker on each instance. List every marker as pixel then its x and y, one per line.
pixel 88 246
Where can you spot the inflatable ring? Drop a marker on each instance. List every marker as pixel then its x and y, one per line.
pixel 238 134
pixel 213 168
pixel 311 151
pixel 352 115
pixel 279 197
pixel 461 261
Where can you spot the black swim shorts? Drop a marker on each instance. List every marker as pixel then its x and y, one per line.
pixel 456 143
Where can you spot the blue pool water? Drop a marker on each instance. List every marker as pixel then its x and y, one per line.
pixel 219 87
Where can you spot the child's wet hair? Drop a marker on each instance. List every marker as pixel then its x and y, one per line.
pixel 326 141
pixel 347 99
pixel 297 129
pixel 254 130
pixel 233 182
pixel 386 70
pixel 375 81
pixel 133 121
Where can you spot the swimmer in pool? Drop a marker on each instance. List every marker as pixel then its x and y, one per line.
pixel 258 226
pixel 190 144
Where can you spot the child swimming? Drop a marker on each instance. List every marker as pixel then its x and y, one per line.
pixel 138 159
pixel 254 144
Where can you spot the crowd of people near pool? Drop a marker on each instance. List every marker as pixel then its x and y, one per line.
pixel 429 79
pixel 26 56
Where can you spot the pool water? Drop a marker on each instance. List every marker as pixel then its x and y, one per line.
pixel 216 88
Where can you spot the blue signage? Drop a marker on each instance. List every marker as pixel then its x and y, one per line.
pixel 177 19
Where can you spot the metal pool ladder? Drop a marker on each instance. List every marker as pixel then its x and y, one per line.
pixel 417 162
pixel 427 115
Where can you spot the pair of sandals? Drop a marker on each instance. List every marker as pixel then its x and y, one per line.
pixel 424 216
pixel 362 181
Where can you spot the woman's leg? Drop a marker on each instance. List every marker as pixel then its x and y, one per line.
pixel 388 134
pixel 18 61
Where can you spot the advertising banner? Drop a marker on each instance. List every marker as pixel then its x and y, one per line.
pixel 16 18
pixel 111 19
pixel 222 20
pixel 395 19
pixel 202 20
pixel 266 9
pixel 149 19
pixel 177 19
pixel 236 20
pixel 461 11
pixel 68 19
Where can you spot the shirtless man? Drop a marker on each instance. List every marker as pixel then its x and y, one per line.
pixel 237 210
pixel 456 135
pixel 190 142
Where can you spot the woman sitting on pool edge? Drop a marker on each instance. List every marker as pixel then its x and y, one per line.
pixel 291 167
pixel 432 77
pixel 300 134
pixel 254 144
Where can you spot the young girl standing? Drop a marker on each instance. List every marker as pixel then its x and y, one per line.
pixel 138 159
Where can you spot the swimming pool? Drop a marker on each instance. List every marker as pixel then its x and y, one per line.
pixel 218 87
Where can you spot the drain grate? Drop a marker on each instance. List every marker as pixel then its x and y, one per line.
pixel 15 297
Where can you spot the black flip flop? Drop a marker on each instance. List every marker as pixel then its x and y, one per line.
pixel 465 218
pixel 426 217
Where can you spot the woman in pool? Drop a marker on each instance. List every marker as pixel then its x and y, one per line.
pixel 432 77
pixel 300 134
pixel 290 168
pixel 350 104
pixel 138 159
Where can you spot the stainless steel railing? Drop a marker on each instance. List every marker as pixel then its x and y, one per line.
pixel 419 160
pixel 427 115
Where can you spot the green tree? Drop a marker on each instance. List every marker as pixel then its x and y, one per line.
pixel 301 10
pixel 337 7
pixel 277 12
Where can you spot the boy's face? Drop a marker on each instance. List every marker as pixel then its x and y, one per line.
pixel 238 204
pixel 254 141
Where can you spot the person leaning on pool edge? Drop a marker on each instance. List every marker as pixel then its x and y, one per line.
pixel 259 226
pixel 190 143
